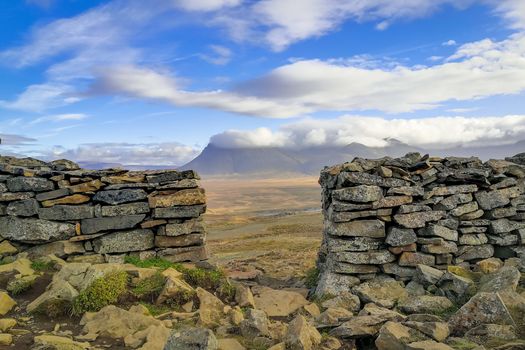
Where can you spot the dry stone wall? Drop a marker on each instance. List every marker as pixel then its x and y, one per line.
pixel 388 216
pixel 58 208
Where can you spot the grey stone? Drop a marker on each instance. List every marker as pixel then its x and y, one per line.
pixel 335 283
pixel 499 213
pixel 505 279
pixel 349 216
pixel 360 194
pixel 451 190
pixel 480 222
pixel 392 201
pixel 125 209
pixel 371 257
pixel 124 241
pixel 453 201
pixel 416 191
pixel 184 254
pixel 66 212
pixel 483 308
pixel 172 175
pixel 32 184
pixel 397 237
pixel 34 230
pixel 344 206
pixel 416 220
pixel 501 226
pixel 473 215
pixel 473 239
pixel 347 179
pixel 27 207
pixel 18 196
pixel 95 225
pixel 400 271
pixel 61 192
pixel 413 208
pixel 503 239
pixel 179 241
pixel 475 252
pixel 465 209
pixel 59 248
pixel 354 244
pixel 360 228
pixel 385 292
pixel 191 339
pixel 255 324
pixel 492 199
pixel 114 197
pixel 425 304
pixel 473 229
pixel 187 227
pixel 180 212
pixel 439 231
pixel 345 268
pixel 3 188
pixel 414 259
pixel 445 248
pixel 427 275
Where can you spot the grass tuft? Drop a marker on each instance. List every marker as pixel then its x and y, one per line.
pixel 149 288
pixel 43 266
pixel 103 291
pixel 312 277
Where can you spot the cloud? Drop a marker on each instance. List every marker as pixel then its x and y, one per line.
pixel 168 154
pixel 450 43
pixel 281 23
pixel 149 84
pixel 60 118
pixel 11 139
pixel 40 97
pixel 221 55
pixel 435 132
pixel 206 5
pixel 513 11
pixel 476 70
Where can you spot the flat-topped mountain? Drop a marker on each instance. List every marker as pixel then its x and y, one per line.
pixel 215 160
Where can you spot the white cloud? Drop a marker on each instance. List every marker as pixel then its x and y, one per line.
pixel 435 132
pixel 12 139
pixel 168 154
pixel 146 83
pixel 40 97
pixel 206 5
pixel 59 118
pixel 512 10
pixel 221 55
pixel 450 43
pixel 476 70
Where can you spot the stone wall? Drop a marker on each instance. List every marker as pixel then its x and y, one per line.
pixel 57 208
pixel 387 216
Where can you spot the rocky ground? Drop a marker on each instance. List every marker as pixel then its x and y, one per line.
pixel 154 304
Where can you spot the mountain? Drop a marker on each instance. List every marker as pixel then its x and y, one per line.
pixel 274 161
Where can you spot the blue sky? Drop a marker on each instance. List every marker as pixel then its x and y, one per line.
pixel 152 82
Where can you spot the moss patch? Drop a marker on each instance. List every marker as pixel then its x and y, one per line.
pixel 102 292
pixel 149 288
pixel 43 266
pixel 159 263
pixel 312 277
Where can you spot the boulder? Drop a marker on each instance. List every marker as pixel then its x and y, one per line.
pixel 425 304
pixel 230 344
pixel 385 292
pixel 53 342
pixel 58 292
pixel 333 317
pixel 174 286
pixel 34 230
pixel 345 300
pixel 211 309
pixel 6 303
pixel 483 308
pixel 395 336
pixel 192 339
pixel 301 335
pixel 255 324
pixel 278 303
pixel 244 296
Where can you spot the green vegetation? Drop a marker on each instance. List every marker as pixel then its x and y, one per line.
pixel 211 280
pixel 103 291
pixel 181 298
pixel 156 310
pixel 18 286
pixel 43 266
pixel 312 277
pixel 149 288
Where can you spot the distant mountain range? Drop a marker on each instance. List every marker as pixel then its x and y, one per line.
pixel 275 161
pixel 215 160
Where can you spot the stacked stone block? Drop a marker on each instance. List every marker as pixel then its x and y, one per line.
pixel 387 216
pixel 58 208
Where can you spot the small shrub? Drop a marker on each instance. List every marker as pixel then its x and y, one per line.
pixel 312 277
pixel 18 286
pixel 43 266
pixel 103 291
pixel 180 298
pixel 156 310
pixel 149 288
pixel 207 279
pixel 56 308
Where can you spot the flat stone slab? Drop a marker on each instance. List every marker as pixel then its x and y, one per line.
pixel 124 241
pixel 34 230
